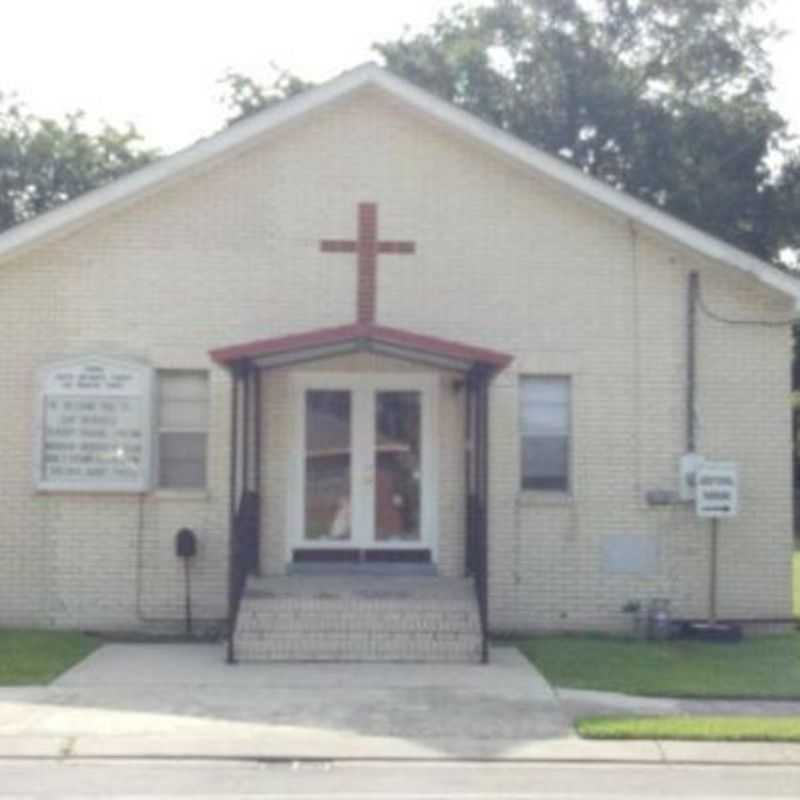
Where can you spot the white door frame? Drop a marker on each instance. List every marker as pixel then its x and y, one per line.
pixel 363 386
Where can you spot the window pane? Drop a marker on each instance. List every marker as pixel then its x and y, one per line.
pixel 183 424
pixel 544 431
pixel 546 390
pixel 184 415
pixel 545 420
pixel 545 462
pixel 544 406
pixel 328 455
pixel 398 419
pixel 182 384
pixel 182 459
pixel 183 400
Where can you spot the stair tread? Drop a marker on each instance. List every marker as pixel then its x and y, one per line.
pixel 364 618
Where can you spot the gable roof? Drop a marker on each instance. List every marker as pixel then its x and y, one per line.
pixel 209 152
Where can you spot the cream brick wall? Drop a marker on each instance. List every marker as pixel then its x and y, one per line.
pixel 503 260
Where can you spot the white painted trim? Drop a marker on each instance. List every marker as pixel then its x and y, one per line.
pixel 363 386
pixel 233 140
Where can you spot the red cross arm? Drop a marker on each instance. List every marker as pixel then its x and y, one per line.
pixel 338 246
pixel 400 248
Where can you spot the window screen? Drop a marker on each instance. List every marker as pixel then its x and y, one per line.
pixel 544 429
pixel 182 429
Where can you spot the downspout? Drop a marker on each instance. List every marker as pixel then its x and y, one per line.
pixel 691 361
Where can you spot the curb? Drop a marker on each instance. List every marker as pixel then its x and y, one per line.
pixel 565 751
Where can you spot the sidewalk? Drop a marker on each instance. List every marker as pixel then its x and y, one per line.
pixel 179 701
pixel 577 703
pixel 302 747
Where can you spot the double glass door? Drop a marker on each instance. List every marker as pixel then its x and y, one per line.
pixel 365 463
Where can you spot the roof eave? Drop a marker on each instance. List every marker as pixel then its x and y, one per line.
pixel 124 191
pixel 127 190
pixel 628 207
pixel 328 342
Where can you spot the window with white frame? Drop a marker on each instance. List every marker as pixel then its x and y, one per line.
pixel 182 429
pixel 545 432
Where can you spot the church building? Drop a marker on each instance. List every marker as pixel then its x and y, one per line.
pixel 363 377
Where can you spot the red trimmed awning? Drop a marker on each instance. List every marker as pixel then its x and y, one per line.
pixel 327 342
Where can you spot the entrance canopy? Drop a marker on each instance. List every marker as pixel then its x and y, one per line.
pixel 379 495
pixel 361 337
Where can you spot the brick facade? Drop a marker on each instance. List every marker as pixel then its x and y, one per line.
pixel 504 260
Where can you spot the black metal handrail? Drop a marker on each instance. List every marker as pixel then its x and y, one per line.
pixel 477 562
pixel 244 557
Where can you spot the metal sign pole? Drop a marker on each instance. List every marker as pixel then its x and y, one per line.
pixel 712 601
pixel 188 596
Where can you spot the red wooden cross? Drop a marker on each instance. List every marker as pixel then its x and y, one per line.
pixel 367 246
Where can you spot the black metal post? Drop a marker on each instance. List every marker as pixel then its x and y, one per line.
pixel 231 658
pixel 469 455
pixel 246 429
pixel 713 555
pixel 483 493
pixel 188 596
pixel 257 434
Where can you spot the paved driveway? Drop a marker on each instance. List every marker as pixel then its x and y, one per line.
pixel 174 699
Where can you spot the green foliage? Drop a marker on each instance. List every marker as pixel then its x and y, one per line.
pixel 763 666
pixel 44 162
pixel 34 656
pixel 244 96
pixel 701 728
pixel 666 99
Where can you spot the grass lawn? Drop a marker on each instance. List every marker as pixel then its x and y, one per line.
pixel 29 657
pixel 731 729
pixel 797 583
pixel 764 666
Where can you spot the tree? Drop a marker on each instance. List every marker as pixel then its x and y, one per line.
pixel 45 162
pixel 243 95
pixel 666 99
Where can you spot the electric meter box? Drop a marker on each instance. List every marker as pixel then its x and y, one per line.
pixel 717 490
pixel 687 475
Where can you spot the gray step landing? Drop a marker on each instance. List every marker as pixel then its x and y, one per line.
pixel 358 618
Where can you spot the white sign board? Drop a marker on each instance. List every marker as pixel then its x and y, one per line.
pixel 717 490
pixel 93 430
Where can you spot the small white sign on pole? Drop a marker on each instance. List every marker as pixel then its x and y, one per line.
pixel 717 490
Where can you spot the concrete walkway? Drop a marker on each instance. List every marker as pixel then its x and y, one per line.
pixel 578 703
pixel 182 701
pixel 173 699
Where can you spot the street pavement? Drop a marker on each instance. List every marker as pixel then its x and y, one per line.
pixel 393 781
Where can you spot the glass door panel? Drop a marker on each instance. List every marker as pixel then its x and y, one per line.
pixel 397 465
pixel 328 465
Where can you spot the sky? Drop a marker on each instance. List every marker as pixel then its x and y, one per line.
pixel 157 63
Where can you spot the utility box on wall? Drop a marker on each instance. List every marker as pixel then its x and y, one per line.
pixel 687 478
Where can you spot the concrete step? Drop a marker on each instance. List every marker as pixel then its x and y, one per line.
pixel 358 618
pixel 406 647
pixel 259 617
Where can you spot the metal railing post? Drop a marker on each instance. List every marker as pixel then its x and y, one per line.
pixel 232 542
